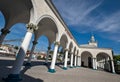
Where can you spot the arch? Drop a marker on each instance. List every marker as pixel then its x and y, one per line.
pixel 44 47
pixel 2 20
pixel 43 42
pixel 60 54
pixel 103 61
pixel 49 17
pixel 70 51
pixel 77 52
pixel 47 26
pixel 74 55
pixel 103 55
pixel 16 31
pixel 86 59
pixel 64 40
pixel 46 16
pixel 16 11
pixel 74 49
pixel 50 35
pixel 52 46
pixel 70 46
pixel 60 48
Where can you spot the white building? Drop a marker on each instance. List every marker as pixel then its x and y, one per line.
pixel 42 18
pixel 94 57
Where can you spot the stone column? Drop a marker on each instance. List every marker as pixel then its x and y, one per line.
pixel 66 58
pixel 14 75
pixel 75 62
pixel 71 62
pixel 94 63
pixel 113 68
pixel 52 67
pixel 46 60
pixel 63 52
pixel 102 63
pixel 4 32
pixel 57 56
pixel 31 54
pixel 108 64
pixel 79 61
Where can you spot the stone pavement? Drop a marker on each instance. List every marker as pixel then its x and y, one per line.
pixel 38 73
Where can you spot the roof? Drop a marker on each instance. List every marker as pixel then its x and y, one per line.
pixel 87 45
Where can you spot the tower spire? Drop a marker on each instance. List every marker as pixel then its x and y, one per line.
pixel 92 41
pixel 92 38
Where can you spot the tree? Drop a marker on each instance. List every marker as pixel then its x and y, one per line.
pixel 116 58
pixel 16 47
pixel 117 63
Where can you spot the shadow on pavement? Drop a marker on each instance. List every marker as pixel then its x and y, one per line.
pixel 27 78
pixel 60 65
pixel 38 63
pixel 5 66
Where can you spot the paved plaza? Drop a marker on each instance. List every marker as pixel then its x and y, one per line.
pixel 38 73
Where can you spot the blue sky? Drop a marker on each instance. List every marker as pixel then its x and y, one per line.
pixel 100 17
pixel 83 17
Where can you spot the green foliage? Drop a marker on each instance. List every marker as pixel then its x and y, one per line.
pixel 59 59
pixel 116 58
pixel 16 47
pixel 117 63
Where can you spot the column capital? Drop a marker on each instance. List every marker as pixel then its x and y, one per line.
pixel 34 42
pixel 57 43
pixel 5 31
pixel 49 47
pixel 66 49
pixel 31 27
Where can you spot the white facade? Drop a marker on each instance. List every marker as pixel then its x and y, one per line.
pixel 94 57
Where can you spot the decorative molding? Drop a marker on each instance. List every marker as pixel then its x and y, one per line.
pixel 5 31
pixel 31 27
pixel 49 48
pixel 34 42
pixel 66 49
pixel 57 43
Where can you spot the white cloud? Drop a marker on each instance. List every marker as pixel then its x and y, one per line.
pixel 103 23
pixel 18 28
pixel 75 11
pixel 79 14
pixel 118 40
pixel 111 23
pixel 17 31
